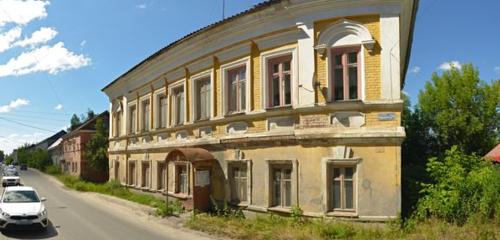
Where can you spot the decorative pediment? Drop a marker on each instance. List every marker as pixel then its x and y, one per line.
pixel 343 33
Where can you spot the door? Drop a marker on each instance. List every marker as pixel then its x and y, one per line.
pixel 201 191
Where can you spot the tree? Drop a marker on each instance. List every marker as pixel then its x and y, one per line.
pixel 457 108
pixel 96 150
pixel 2 156
pixel 75 121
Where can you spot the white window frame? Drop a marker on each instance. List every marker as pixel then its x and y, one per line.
pixel 129 117
pixel 156 114
pixel 142 101
pixel 264 76
pixel 327 164
pixel 225 68
pixel 295 184
pixel 248 165
pixel 172 115
pixel 194 92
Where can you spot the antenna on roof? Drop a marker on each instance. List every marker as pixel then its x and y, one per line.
pixel 223 9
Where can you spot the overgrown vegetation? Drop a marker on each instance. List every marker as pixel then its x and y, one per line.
pixel 114 188
pixel 34 157
pixel 96 150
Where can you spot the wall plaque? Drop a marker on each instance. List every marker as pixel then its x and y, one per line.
pixel 202 178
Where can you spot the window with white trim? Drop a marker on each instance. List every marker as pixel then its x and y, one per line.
pixel 281 190
pixel 236 89
pixel 162 173
pixel 118 123
pixel 146 115
pixel 341 183
pixel 279 81
pixel 182 179
pixel 178 106
pixel 132 119
pixel 162 111
pixel 146 175
pixel 202 99
pixel 238 182
pixel 345 80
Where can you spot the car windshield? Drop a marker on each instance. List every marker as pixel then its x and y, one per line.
pixel 11 173
pixel 20 197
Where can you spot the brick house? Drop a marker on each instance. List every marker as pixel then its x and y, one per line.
pixel 74 143
pixel 288 103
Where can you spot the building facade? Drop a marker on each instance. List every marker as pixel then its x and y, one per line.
pixel 73 146
pixel 56 153
pixel 289 103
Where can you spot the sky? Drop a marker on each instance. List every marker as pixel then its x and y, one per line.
pixel 56 56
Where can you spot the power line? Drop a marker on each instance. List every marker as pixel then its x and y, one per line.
pixel 26 125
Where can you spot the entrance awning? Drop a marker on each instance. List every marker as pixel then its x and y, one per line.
pixel 189 154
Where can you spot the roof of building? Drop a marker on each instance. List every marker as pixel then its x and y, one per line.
pixel 50 140
pixel 255 8
pixel 55 144
pixel 494 154
pixel 88 125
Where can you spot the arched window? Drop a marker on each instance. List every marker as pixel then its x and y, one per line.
pixel 342 44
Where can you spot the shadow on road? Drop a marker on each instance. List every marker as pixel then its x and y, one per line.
pixel 51 232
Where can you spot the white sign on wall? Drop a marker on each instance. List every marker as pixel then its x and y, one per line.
pixel 202 178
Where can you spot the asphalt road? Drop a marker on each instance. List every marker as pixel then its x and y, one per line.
pixel 74 219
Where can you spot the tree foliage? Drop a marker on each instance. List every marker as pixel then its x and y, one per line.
pixel 2 156
pixel 457 108
pixel 75 121
pixel 96 150
pixel 462 186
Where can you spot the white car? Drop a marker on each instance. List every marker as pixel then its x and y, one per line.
pixel 11 179
pixel 20 207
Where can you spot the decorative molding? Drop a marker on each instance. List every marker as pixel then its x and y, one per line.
pixel 344 32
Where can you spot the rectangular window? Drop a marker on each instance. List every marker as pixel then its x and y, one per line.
pixel 236 90
pixel 162 111
pixel 238 183
pixel 146 113
pixel 132 120
pixel 117 171
pixel 342 188
pixel 203 99
pixel 182 179
pixel 145 175
pixel 178 102
pixel 162 173
pixel 118 123
pixel 345 68
pixel 282 185
pixel 131 174
pixel 279 81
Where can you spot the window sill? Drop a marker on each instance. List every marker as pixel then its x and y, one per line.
pixel 279 209
pixel 277 108
pixel 179 195
pixel 234 114
pixel 346 101
pixel 202 120
pixel 239 204
pixel 342 213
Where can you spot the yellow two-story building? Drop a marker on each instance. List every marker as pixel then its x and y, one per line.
pixel 292 102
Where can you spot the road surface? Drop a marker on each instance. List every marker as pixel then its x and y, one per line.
pixel 74 218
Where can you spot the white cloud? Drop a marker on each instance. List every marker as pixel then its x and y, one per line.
pixel 58 107
pixel 22 12
pixel 83 43
pixel 7 38
pixel 13 105
pixel 450 64
pixel 141 6
pixel 497 69
pixel 415 70
pixel 51 59
pixel 13 141
pixel 43 35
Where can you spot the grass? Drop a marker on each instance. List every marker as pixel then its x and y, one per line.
pixel 281 228
pixel 114 188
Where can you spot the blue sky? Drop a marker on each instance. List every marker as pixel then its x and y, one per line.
pixel 80 46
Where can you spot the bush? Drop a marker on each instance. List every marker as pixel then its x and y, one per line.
pixel 53 170
pixel 464 186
